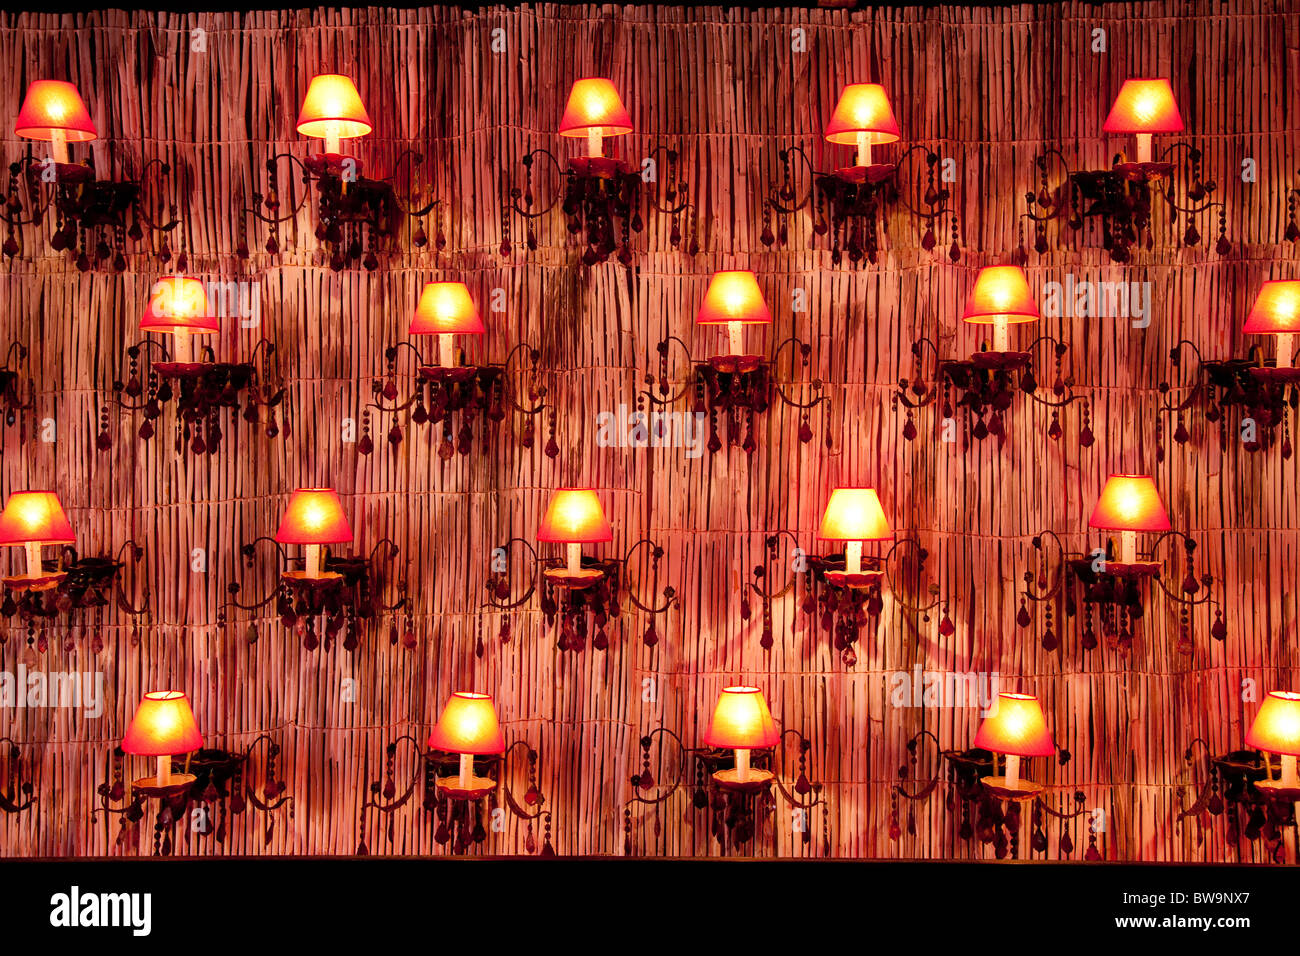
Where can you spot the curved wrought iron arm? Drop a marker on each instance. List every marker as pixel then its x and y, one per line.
pixel 508 393
pixel 8 801
pixel 1056 205
pixel 889 578
pixel 815 384
pixel 1195 389
pixel 141 209
pixel 272 751
pixel 306 193
pixel 769 543
pixel 527 161
pixel 646 742
pixel 145 345
pixel 507 604
pixel 414 160
pixel 669 593
pixel 1067 379
pixel 663 398
pixel 1190 602
pixel 927 788
pixel 940 210
pixel 393 551
pixel 124 603
pixel 1202 796
pixel 685 205
pixel 818 793
pixel 1047 808
pixel 1193 155
pixel 1055 586
pixel 784 155
pixel 247 551
pixel 377 389
pixel 515 806
pixel 931 395
pixel 40 200
pixel 375 790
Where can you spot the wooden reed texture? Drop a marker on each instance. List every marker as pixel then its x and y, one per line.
pixel 989 87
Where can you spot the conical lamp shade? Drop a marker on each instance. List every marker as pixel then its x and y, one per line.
pixel 863 108
pixel 53 106
pixel 733 297
pixel 594 104
pixel 1144 106
pixel 35 516
pixel 332 102
pixel 314 516
pixel 575 516
pixel 742 721
pixel 163 724
pixel 1276 308
pixel 468 725
pixel 854 514
pixel 179 303
pixel 1001 292
pixel 1129 503
pixel 1016 727
pixel 1277 725
pixel 445 307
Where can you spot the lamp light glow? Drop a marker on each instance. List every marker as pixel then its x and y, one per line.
pixel 574 517
pixel 1277 312
pixel 734 299
pixel 468 726
pixel 594 110
pixel 1017 729
pixel 314 518
pixel 1144 107
pixel 54 112
pixel 163 725
pixel 742 722
pixel 178 305
pixel 446 309
pixel 1276 730
pixel 863 118
pixel 1129 504
pixel 854 515
pixel 1000 297
pixel 31 519
pixel 332 110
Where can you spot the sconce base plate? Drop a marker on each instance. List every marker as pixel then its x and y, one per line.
pixel 875 173
pixel 602 167
pixel 448 373
pixel 730 364
pixel 574 580
pixel 1143 172
pixel 1274 790
pixel 477 788
pixel 176 783
pixel 756 781
pixel 181 369
pixel 1274 375
pixel 1000 361
pixel 1023 790
pixel 39 582
pixel 858 581
pixel 1119 569
pixel 319 164
pixel 302 577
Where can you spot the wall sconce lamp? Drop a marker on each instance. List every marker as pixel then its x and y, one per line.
pixel 1129 504
pixel 357 217
pixel 163 727
pixel 345 590
pixel 736 385
pixel 450 393
pixel 90 215
pixel 1121 196
pixel 16 394
pixel 853 203
pixel 582 592
pixel 202 387
pixel 601 194
pixel 16 794
pixel 1264 393
pixel 1259 784
pixel 986 383
pixel 55 588
pixel 735 772
pixel 467 740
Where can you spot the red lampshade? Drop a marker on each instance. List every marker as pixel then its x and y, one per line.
pixel 314 516
pixel 332 102
pixel 1129 503
pixel 163 724
pixel 854 514
pixel 445 307
pixel 1277 725
pixel 733 297
pixel 51 106
pixel 35 516
pixel 1001 292
pixel 1016 727
pixel 1276 308
pixel 863 108
pixel 575 516
pixel 178 303
pixel 468 725
pixel 1144 106
pixel 741 721
pixel 594 104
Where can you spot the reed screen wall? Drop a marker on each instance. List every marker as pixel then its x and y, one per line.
pixel 988 87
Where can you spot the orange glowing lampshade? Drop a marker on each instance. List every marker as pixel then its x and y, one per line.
pixel 594 105
pixel 1277 725
pixel 575 516
pixel 1001 294
pixel 445 308
pixel 314 516
pixel 1016 727
pixel 468 725
pixel 35 516
pixel 178 303
pixel 854 514
pixel 863 111
pixel 733 297
pixel 332 108
pixel 163 724
pixel 741 721
pixel 1144 106
pixel 1129 503
pixel 53 110
pixel 1276 308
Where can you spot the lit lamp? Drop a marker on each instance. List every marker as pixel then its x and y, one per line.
pixel 1017 729
pixel 734 299
pixel 179 306
pixel 1276 730
pixel 32 519
pixel 1129 504
pixel 468 726
pixel 595 111
pixel 742 722
pixel 1277 312
pixel 163 725
pixel 332 110
pixel 863 118
pixel 854 515
pixel 1144 107
pixel 575 517
pixel 1001 296
pixel 53 112
pixel 446 309
pixel 314 518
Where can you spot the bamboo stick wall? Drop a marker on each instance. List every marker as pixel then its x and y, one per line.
pixel 989 87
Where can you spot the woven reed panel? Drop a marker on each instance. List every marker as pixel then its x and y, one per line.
pixel 988 87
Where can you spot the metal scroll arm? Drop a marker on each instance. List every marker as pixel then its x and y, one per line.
pixel 10 802
pixel 502 602
pixel 39 199
pixel 683 751
pixel 401 585
pixel 1195 389
pixel 142 212
pixel 390 354
pixel 676 188
pixel 508 393
pixel 414 160
pixel 515 193
pixel 519 809
pixel 248 551
pixel 923 792
pixel 1054 586
pixel 940 207
pixel 783 200
pixel 379 792
pixel 1199 190
pixel 267 802
pixel 921 554
pixel 805 350
pixel 1206 580
pixel 146 345
pixel 1059 348
pixel 136 554
pixel 669 592
pixel 1052 203
pixel 803 786
pixel 761 571
pixel 664 398
pixel 917 386
pixel 1201 803
pixel 1078 811
pixel 292 213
